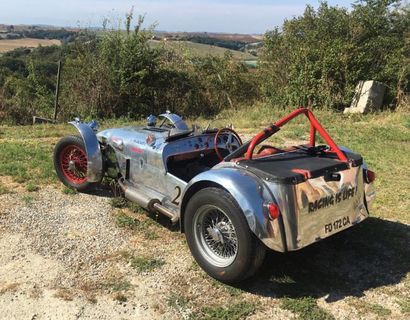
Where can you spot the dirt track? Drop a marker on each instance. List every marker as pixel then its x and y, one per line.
pixel 72 257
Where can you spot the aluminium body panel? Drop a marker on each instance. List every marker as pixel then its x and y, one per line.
pixel 310 211
pixel 251 194
pixel 147 153
pixel 92 148
pixel 316 209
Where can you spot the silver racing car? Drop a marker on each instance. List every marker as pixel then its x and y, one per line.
pixel 233 200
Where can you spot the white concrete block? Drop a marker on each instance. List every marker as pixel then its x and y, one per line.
pixel 368 96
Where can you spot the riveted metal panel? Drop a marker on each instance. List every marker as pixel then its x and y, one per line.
pixel 251 194
pixel 92 148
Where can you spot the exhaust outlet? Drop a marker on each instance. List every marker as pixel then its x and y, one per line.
pixel 153 205
pixel 166 212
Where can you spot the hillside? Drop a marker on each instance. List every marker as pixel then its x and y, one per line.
pixel 246 38
pixel 201 50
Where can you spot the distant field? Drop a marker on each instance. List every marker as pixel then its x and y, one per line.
pixel 248 38
pixel 8 45
pixel 201 50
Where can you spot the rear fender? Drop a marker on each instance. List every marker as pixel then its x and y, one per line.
pixel 250 194
pixel 369 190
pixel 92 148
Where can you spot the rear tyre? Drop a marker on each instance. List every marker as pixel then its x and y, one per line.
pixel 219 237
pixel 70 163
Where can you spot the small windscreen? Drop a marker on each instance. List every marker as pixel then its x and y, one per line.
pixel 155 129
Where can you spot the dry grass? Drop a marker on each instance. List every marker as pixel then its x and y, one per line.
pixel 35 293
pixel 65 294
pixel 3 189
pixel 9 287
pixel 11 44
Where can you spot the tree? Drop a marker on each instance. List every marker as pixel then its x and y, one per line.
pixel 318 58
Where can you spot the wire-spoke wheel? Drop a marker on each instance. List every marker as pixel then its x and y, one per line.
pixel 216 235
pixel 73 162
pixel 219 237
pixel 70 163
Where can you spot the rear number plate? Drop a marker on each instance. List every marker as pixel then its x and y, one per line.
pixel 337 224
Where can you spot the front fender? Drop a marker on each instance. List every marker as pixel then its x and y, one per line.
pixel 250 193
pixel 93 150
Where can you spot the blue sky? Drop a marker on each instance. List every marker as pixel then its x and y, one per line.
pixel 178 15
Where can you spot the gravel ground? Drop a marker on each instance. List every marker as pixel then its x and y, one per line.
pixel 57 252
pixel 65 256
pixel 62 257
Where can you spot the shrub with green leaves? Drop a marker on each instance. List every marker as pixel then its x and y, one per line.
pixel 318 58
pixel 118 74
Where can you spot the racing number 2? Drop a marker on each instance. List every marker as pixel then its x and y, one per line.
pixel 176 199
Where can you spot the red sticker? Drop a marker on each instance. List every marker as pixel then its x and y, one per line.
pixel 137 150
pixel 150 139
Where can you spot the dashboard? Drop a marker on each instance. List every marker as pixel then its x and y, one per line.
pixel 201 142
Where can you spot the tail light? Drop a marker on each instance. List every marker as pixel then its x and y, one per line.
pixel 369 176
pixel 273 210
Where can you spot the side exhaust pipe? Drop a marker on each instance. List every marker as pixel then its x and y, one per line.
pixel 151 204
pixel 166 212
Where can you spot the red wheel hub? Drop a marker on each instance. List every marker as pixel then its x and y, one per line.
pixel 73 163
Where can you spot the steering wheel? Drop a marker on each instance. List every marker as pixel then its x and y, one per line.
pixel 229 143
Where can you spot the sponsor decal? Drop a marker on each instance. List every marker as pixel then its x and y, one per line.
pixel 139 141
pixel 137 150
pixel 150 139
pixel 333 199
pixel 116 139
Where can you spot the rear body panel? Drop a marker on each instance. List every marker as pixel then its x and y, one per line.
pixel 311 210
pixel 318 195
pixel 316 209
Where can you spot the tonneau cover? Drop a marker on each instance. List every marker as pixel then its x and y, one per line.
pixel 287 167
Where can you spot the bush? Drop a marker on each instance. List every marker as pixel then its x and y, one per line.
pixel 318 58
pixel 118 74
pixel 27 83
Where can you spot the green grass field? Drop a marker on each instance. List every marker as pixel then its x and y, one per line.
pixel 201 50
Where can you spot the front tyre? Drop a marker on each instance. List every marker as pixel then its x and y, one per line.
pixel 219 237
pixel 70 163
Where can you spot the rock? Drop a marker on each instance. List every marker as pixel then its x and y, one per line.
pixel 368 96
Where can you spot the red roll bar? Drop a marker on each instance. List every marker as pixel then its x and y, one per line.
pixel 314 126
